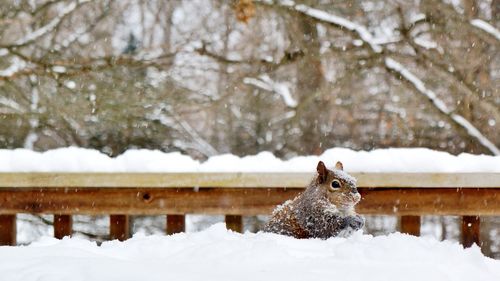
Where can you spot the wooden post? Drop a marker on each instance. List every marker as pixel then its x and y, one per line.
pixel 63 226
pixel 7 230
pixel 470 230
pixel 410 225
pixel 176 224
pixel 119 227
pixel 234 223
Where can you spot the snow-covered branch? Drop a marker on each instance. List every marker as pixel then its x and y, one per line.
pixel 3 52
pixel 361 31
pixel 343 23
pixel 428 44
pixel 440 105
pixel 203 146
pixel 16 65
pixel 486 27
pixel 12 104
pixel 32 36
pixel 265 82
pixel 174 122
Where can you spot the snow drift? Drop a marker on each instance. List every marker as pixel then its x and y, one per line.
pixel 73 159
pixel 218 254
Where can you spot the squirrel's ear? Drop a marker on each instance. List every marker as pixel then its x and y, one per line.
pixel 322 172
pixel 339 166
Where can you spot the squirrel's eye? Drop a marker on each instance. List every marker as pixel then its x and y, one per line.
pixel 335 184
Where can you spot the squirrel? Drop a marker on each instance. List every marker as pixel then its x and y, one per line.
pixel 325 209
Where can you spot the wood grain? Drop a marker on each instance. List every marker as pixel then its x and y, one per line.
pixel 234 223
pixel 63 226
pixel 119 227
pixel 240 180
pixel 430 201
pixel 176 224
pixel 238 201
pixel 470 231
pixel 410 225
pixel 8 230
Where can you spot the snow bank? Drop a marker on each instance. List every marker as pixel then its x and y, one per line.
pixel 73 159
pixel 217 254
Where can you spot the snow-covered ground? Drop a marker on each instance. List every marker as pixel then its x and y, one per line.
pixel 218 254
pixel 73 159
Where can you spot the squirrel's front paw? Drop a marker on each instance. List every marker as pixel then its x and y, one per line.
pixel 356 222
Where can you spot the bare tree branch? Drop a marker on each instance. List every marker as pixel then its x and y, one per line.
pixel 34 35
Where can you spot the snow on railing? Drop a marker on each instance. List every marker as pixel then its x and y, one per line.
pixel 409 160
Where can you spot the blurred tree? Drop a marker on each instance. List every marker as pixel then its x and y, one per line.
pixel 206 77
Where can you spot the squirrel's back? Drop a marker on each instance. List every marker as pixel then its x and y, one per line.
pixel 284 221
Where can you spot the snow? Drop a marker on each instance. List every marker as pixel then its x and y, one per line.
pixel 419 85
pixel 362 32
pixel 473 131
pixel 440 105
pixel 414 18
pixel 11 104
pixel 266 83
pixel 32 36
pixel 345 177
pixel 218 254
pixel 486 27
pixel 16 66
pixel 428 44
pixel 59 69
pixel 70 84
pixel 74 159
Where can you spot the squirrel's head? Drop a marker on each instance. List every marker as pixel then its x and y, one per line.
pixel 339 186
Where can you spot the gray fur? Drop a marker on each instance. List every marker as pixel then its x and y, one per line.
pixel 312 215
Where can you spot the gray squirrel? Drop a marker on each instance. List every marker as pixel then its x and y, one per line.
pixel 325 209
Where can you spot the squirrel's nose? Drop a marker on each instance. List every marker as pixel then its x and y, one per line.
pixel 354 190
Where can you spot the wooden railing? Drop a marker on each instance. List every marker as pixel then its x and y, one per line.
pixel 409 195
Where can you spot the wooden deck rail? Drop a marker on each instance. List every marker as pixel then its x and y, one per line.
pixel 408 195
